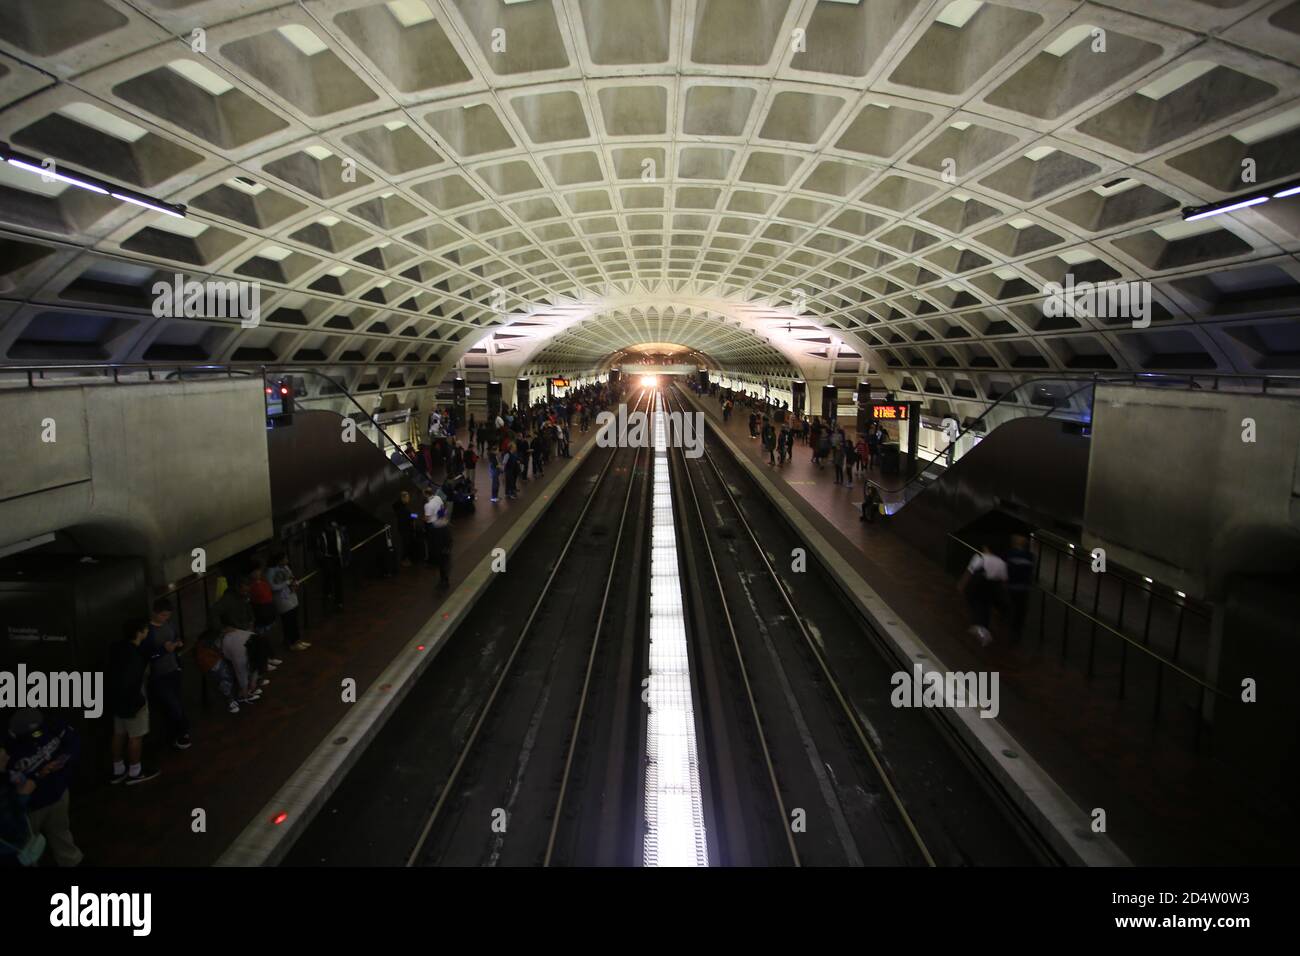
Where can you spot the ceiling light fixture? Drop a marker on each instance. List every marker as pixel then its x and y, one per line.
pixel 90 183
pixel 1193 213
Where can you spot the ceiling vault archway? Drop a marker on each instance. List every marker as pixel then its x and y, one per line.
pixel 875 190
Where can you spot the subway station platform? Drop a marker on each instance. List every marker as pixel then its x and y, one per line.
pixel 238 762
pixel 1167 801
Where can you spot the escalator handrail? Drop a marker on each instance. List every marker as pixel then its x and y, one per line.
pixel 902 490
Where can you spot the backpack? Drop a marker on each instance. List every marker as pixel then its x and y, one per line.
pixel 206 656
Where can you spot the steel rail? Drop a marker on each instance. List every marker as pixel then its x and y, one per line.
pixel 472 739
pixel 744 670
pixel 591 663
pixel 825 668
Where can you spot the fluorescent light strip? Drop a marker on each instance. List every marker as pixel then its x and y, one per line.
pixel 42 171
pixel 146 205
pixel 674 804
pixel 1221 209
pixel 21 162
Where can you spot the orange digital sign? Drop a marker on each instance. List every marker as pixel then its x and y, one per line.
pixel 560 382
pixel 892 412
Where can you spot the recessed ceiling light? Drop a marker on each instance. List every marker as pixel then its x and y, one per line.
pixel 190 228
pixel 1039 152
pixel 409 13
pixel 200 76
pixel 318 152
pixel 958 13
pixel 104 121
pixel 1068 40
pixel 306 42
pixel 274 253
pixel 1283 122
pixel 1173 231
pixel 1176 79
pixel 246 185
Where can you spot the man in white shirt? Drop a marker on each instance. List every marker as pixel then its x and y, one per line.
pixel 437 525
pixel 983 585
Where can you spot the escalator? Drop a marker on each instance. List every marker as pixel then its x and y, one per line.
pixel 1028 470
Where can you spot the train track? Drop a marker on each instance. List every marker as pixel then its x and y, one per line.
pixel 819 762
pixel 499 780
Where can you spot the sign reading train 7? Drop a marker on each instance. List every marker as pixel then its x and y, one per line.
pixel 891 412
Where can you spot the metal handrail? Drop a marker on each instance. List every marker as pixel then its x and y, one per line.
pixel 1067 548
pixel 1117 633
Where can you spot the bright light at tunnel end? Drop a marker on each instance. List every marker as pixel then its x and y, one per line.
pixel 649 381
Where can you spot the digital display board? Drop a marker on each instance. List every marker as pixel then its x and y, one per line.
pixel 889 412
pixel 560 382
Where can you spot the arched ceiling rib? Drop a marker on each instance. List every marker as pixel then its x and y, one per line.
pixel 904 175
pixel 591 342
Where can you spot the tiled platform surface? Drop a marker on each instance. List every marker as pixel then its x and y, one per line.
pixel 1165 803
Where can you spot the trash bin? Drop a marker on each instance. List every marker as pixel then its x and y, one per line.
pixel 889 458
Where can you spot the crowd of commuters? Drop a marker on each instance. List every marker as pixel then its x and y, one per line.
pixel 778 430
pixel 993 581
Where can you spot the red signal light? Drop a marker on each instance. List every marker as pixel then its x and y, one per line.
pixel 280 818
pixel 284 390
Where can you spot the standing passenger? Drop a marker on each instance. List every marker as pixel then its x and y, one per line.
pixel 284 584
pixel 45 750
pixel 128 670
pixel 165 682
pixel 511 462
pixel 982 584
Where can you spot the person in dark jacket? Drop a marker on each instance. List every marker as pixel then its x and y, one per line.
pixel 45 750
pixel 522 453
pixel 510 463
pixel 128 669
pixel 232 606
pixel 15 832
pixel 769 440
pixel 165 681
